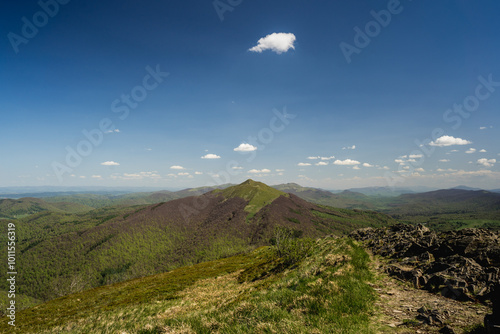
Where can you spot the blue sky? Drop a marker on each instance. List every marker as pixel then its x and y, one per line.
pixel 326 94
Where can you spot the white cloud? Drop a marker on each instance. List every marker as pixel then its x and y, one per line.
pixel 449 141
pixel 198 173
pixel 278 42
pixel 486 162
pixel 399 161
pixel 482 127
pixel 210 156
pixel 148 149
pixel 237 167
pixel 454 151
pixel 96 176
pixel 111 131
pixel 346 162
pixel 446 170
pixel 444 160
pixel 356 167
pixel 416 156
pixel 366 164
pixel 244 147
pixel 353 147
pixel 470 151
pixel 110 163
pixel 280 170
pixel 321 163
pixel 183 174
pixel 136 176
pixel 303 164
pixel 419 169
pixel 177 167
pixel 483 151
pixel 322 158
pixel 259 171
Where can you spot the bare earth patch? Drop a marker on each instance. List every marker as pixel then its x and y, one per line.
pixel 404 309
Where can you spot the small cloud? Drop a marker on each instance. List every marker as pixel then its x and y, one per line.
pixel 113 131
pixel 183 174
pixel 452 151
pixel 82 177
pixel 302 164
pixel 177 167
pixel 486 162
pixel 419 169
pixel 444 160
pixel 449 141
pixel 237 167
pixel 321 163
pixel 353 147
pixel 198 173
pixel 483 127
pixel 470 151
pixel 148 149
pixel 96 176
pixel 280 170
pixel 416 156
pixel 482 151
pixel 366 164
pixel 210 156
pixel 346 162
pixel 446 170
pixel 356 167
pixel 110 163
pixel 259 171
pixel 244 147
pixel 399 161
pixel 322 158
pixel 277 42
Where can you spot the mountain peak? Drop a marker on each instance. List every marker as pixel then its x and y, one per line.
pixel 257 194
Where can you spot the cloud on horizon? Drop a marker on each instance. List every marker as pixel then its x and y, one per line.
pixel 110 163
pixel 346 162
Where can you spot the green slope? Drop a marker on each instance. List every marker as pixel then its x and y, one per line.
pixel 257 194
pixel 327 291
pixel 16 208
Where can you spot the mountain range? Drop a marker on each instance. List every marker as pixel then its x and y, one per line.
pixel 62 252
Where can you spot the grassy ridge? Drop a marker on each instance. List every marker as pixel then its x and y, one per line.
pixel 257 194
pixel 327 292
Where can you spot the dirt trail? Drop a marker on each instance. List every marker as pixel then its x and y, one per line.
pixel 404 309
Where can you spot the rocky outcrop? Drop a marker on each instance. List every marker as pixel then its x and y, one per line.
pixel 463 265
